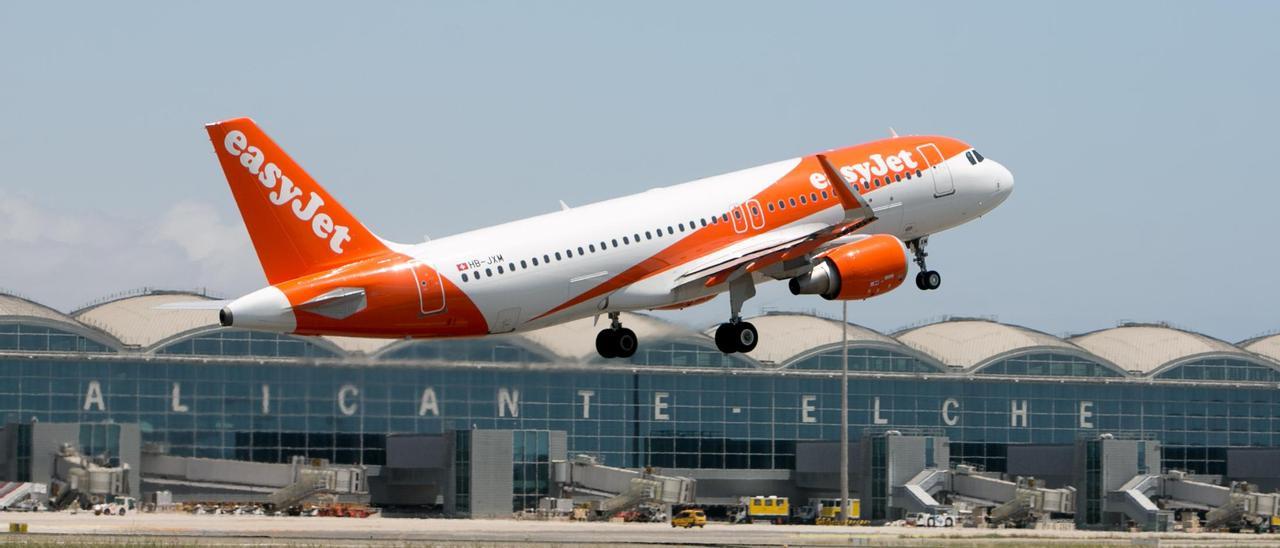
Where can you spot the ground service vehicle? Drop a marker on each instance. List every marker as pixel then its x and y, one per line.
pixel 926 519
pixel 118 507
pixel 771 509
pixel 689 519
pixel 829 511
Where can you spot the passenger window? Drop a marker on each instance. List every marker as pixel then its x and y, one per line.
pixel 755 210
pixel 793 202
pixel 917 173
pixel 511 267
pixel 681 227
pixel 737 214
pixel 524 264
pixel 908 175
pixel 580 251
pixel 802 200
pixel 500 269
pixel 877 182
pixel 969 155
pixel 615 243
pixel 488 272
pixel 648 235
pixel 568 253
pixel 464 276
pixel 866 185
pixel 978 156
pixel 703 221
pixel 592 247
pixel 546 258
pixel 813 196
pixel 770 206
pixel 670 230
pixel 725 217
pixel 636 237
pixel 626 240
pixel 897 178
pixel 535 261
pixel 715 220
pixel 557 255
pixel 824 195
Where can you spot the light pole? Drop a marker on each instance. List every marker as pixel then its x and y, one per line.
pixel 844 414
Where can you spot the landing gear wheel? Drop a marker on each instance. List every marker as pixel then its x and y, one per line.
pixel 625 343
pixel 920 281
pixel 725 335
pixel 746 337
pixel 617 343
pixel 931 280
pixel 607 343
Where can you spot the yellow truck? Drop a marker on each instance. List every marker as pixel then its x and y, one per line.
pixel 768 509
pixel 829 511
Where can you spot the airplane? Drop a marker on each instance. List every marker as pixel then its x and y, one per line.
pixel 842 224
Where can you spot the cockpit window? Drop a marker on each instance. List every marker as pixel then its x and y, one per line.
pixel 969 155
pixel 978 156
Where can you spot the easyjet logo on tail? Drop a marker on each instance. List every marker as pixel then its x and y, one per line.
pixel 285 192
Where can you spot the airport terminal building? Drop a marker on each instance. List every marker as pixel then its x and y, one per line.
pixel 195 389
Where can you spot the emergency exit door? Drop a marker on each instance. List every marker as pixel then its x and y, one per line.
pixel 938 170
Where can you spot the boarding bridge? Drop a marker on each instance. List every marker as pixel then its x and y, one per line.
pixel 619 489
pixel 1018 502
pixel 1234 507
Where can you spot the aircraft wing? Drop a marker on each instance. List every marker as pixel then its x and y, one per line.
pixel 783 244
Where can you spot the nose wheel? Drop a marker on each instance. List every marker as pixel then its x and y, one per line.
pixel 736 337
pixel 926 280
pixel 616 341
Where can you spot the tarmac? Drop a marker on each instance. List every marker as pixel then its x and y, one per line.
pixel 168 529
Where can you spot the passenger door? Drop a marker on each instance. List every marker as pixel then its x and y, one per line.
pixel 430 288
pixel 937 169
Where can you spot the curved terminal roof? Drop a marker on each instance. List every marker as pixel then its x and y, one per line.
pixel 137 321
pixel 786 335
pixel 968 342
pixel 576 340
pixel 1268 346
pixel 1144 348
pixel 13 305
pixel 141 323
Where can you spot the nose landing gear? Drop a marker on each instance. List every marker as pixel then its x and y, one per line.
pixel 926 280
pixel 616 341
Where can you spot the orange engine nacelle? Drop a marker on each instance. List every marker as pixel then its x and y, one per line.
pixel 868 267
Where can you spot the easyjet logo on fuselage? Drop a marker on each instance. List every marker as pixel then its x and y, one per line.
pixel 269 174
pixel 877 165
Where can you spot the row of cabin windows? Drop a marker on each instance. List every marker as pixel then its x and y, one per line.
pixel 627 240
pixel 974 157
pixel 866 185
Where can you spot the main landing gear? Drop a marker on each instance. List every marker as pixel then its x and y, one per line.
pixel 737 335
pixel 616 341
pixel 927 279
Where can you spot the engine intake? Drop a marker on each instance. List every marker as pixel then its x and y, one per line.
pixel 859 270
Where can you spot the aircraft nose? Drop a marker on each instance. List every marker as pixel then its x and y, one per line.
pixel 1003 180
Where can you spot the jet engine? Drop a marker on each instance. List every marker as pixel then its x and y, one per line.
pixel 858 270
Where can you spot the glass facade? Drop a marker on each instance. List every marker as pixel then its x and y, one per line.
pixel 864 359
pixel 1044 364
pixel 270 408
pixel 239 342
pixel 1221 369
pixel 530 468
pixel 38 338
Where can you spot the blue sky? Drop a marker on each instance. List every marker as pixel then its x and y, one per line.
pixel 1141 134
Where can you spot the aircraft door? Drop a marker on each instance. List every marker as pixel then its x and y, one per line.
pixel 430 288
pixel 738 216
pixel 938 170
pixel 755 213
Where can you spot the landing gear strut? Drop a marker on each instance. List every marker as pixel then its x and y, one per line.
pixel 927 279
pixel 616 341
pixel 737 335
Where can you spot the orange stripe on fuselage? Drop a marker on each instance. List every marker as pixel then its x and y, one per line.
pixel 713 237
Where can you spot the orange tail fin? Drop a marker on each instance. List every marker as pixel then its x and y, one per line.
pixel 296 226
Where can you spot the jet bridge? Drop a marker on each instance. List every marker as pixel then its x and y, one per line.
pixel 619 489
pixel 1019 502
pixel 1150 500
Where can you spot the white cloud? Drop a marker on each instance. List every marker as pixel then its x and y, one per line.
pixel 66 258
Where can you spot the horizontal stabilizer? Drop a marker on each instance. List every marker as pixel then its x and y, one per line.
pixel 337 304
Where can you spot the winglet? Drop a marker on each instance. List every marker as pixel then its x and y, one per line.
pixel 854 204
